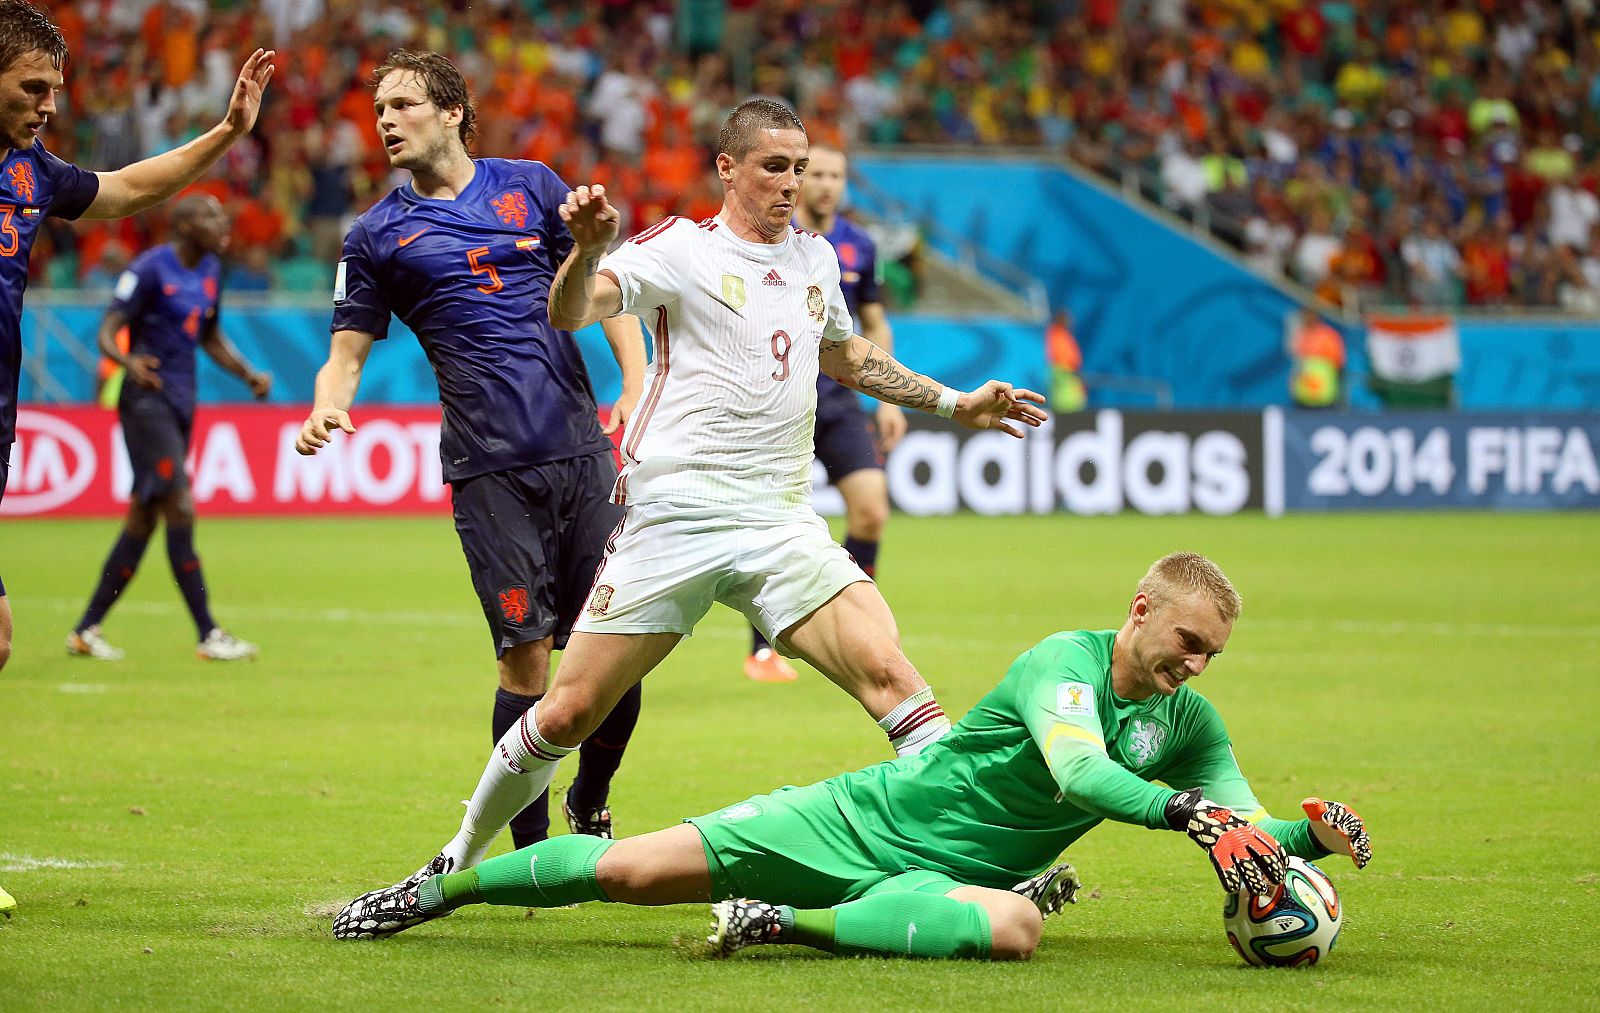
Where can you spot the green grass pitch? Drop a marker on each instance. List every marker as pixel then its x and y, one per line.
pixel 178 833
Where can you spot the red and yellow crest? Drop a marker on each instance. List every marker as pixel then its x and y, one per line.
pixel 512 207
pixel 20 175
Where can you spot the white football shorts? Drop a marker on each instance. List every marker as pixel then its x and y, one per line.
pixel 666 564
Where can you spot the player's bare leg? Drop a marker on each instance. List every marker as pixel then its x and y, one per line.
pixel 866 512
pixel 853 640
pixel 5 630
pixel 866 507
pixel 597 669
pixel 1015 924
pixel 524 676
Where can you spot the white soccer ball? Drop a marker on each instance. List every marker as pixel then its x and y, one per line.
pixel 1295 926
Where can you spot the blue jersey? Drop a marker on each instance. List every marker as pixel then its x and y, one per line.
pixel 859 281
pixel 169 308
pixel 471 277
pixel 33 184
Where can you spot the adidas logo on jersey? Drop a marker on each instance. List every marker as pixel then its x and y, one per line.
pixel 772 278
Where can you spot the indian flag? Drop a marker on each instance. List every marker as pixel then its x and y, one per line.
pixel 1413 349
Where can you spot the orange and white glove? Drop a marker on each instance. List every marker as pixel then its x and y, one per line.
pixel 1244 856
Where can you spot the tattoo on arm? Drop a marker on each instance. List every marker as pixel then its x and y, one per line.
pixel 885 379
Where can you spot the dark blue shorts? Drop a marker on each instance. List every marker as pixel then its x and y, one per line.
pixel 5 473
pixel 158 441
pixel 845 438
pixel 533 538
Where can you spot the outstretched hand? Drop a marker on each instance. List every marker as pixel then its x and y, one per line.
pixel 621 411
pixel 1244 856
pixel 590 218
pixel 245 104
pixel 1338 828
pixel 319 428
pixel 991 405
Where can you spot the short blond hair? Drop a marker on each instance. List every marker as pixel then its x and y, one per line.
pixel 1180 573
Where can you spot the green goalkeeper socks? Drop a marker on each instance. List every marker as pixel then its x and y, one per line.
pixel 892 924
pixel 552 873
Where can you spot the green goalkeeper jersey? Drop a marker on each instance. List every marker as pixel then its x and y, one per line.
pixel 1047 755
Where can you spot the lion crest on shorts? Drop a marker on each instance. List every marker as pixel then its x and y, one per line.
pixel 600 600
pixel 815 307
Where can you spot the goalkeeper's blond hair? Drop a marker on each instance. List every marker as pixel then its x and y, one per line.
pixel 1180 573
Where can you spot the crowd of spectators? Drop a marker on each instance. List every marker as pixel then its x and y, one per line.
pixel 1431 152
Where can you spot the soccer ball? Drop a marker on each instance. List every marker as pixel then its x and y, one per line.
pixel 1295 926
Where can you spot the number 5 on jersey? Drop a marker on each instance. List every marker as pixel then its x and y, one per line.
pixel 481 267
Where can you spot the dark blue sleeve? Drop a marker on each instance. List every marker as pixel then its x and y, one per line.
pixel 134 288
pixel 551 196
pixel 360 300
pixel 870 287
pixel 72 189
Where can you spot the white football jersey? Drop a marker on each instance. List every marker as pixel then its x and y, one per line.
pixel 730 396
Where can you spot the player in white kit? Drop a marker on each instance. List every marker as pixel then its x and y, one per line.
pixel 717 462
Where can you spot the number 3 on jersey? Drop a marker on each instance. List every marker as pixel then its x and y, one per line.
pixel 480 267
pixel 780 351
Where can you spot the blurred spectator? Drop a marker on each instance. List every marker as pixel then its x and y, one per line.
pixel 251 271
pixel 1432 264
pixel 1313 254
pixel 1065 360
pixel 1317 360
pixel 1272 116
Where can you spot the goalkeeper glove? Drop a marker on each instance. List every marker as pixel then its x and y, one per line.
pixel 1336 825
pixel 1244 856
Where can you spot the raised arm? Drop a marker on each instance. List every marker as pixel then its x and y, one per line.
pixel 581 292
pixel 891 417
pixel 133 188
pixel 861 365
pixel 337 382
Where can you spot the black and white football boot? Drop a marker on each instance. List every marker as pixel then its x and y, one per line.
pixel 438 865
pixel 741 923
pixel 1052 889
pixel 593 822
pixel 381 913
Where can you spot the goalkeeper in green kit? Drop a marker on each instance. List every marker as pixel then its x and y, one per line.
pixel 948 853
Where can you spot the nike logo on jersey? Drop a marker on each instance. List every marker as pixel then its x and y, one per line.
pixel 408 240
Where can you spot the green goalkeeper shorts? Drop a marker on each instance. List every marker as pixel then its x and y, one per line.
pixel 795 847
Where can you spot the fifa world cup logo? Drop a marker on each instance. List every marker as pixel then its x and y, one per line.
pixel 1076 694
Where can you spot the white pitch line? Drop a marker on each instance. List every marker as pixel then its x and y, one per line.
pixel 28 863
pixel 465 618
pixel 83 687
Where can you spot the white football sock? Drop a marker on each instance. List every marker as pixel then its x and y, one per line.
pixel 915 723
pixel 520 769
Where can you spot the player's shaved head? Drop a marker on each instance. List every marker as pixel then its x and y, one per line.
pixel 187 209
pixel 24 29
pixel 441 80
pixel 1179 574
pixel 741 131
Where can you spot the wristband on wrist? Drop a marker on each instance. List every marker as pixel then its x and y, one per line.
pixel 947 402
